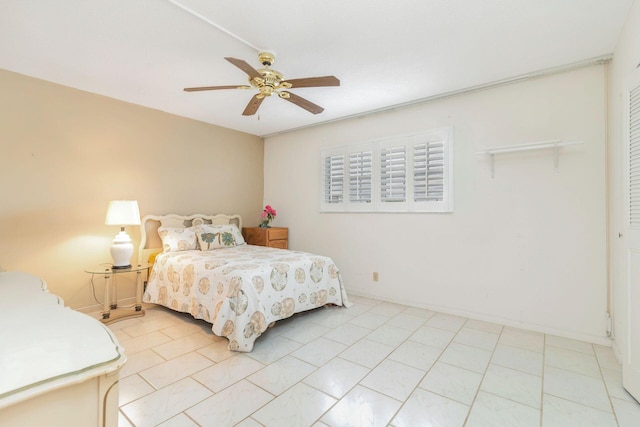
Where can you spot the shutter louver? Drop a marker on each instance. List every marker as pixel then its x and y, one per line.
pixel 428 172
pixel 393 174
pixel 360 173
pixel 634 158
pixel 333 182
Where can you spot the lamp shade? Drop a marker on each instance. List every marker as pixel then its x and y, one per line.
pixel 123 212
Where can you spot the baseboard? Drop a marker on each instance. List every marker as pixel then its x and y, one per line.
pixel 600 340
pixel 617 352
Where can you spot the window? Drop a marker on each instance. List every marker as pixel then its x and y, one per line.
pixel 410 173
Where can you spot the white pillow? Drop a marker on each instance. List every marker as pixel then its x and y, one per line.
pixel 175 239
pixel 211 236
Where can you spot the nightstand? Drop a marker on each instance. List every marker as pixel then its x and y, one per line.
pixel 273 237
pixel 110 294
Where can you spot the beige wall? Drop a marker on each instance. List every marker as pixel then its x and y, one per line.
pixel 625 60
pixel 65 153
pixel 526 248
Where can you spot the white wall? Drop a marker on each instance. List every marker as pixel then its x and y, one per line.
pixel 625 60
pixel 526 248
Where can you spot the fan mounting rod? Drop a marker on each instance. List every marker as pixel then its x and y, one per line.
pixel 266 58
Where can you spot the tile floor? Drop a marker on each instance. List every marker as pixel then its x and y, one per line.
pixel 374 364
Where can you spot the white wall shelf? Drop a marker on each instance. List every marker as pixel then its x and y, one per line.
pixel 542 145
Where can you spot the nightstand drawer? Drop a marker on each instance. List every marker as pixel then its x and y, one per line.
pixel 274 237
pixel 278 233
pixel 280 244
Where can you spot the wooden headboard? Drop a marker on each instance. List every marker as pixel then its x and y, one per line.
pixel 150 242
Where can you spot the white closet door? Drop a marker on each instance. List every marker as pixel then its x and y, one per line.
pixel 631 357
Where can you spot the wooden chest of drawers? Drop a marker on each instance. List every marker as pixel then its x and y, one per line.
pixel 274 237
pixel 59 367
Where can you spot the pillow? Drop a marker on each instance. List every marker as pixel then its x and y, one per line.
pixel 175 239
pixel 212 236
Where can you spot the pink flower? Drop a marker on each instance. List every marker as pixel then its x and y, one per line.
pixel 268 214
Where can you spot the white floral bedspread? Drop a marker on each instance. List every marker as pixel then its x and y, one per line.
pixel 242 289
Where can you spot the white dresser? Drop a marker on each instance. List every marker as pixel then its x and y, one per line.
pixel 58 367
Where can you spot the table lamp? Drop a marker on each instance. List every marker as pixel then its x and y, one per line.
pixel 122 212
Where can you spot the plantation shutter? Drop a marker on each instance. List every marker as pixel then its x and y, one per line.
pixel 360 177
pixel 333 179
pixel 634 158
pixel 428 172
pixel 403 173
pixel 393 174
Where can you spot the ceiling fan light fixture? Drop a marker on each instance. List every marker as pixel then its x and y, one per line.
pixel 269 81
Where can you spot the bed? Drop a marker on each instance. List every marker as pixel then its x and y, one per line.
pixel 202 266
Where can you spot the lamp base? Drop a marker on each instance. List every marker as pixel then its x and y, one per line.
pixel 121 251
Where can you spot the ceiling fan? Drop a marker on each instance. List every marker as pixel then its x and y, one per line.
pixel 269 81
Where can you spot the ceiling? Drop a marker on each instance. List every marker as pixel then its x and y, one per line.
pixel 385 53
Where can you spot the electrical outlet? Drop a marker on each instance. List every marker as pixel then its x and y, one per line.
pixel 375 276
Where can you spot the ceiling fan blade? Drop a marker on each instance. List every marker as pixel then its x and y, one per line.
pixel 252 106
pixel 196 89
pixel 252 72
pixel 314 82
pixel 303 103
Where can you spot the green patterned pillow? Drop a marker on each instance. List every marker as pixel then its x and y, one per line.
pixel 218 236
